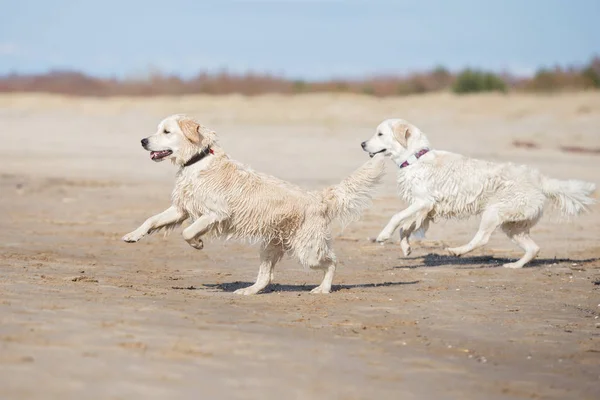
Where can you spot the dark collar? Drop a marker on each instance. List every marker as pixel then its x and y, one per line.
pixel 198 156
pixel 412 159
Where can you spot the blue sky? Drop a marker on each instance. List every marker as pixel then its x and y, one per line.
pixel 311 39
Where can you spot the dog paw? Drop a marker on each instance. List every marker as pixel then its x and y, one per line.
pixel 382 238
pixel 321 290
pixel 132 237
pixel 198 244
pixel 513 265
pixel 455 251
pixel 248 291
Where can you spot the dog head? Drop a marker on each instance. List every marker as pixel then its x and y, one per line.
pixel 394 137
pixel 178 138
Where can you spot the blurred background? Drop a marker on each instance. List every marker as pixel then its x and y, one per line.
pixel 377 47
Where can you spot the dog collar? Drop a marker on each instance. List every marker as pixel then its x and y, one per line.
pixel 413 158
pixel 199 156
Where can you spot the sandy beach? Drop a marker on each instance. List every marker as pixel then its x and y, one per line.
pixel 84 315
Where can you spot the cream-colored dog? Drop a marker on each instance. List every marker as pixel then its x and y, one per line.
pixel 227 199
pixel 439 184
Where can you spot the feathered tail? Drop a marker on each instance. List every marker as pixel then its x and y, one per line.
pixel 348 199
pixel 571 197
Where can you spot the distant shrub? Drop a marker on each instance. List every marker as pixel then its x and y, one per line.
pixel 472 81
pixel 299 86
pixel 441 77
pixel 592 76
pixel 412 86
pixel 592 73
pixel 341 86
pixel 545 80
pixel 368 90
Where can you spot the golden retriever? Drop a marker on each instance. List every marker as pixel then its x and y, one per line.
pixel 227 199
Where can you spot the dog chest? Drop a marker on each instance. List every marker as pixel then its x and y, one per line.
pixel 196 197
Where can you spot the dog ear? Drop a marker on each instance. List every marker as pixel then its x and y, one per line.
pixel 191 130
pixel 402 132
pixel 209 138
pixel 197 133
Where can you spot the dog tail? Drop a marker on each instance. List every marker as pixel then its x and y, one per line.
pixel 348 199
pixel 572 197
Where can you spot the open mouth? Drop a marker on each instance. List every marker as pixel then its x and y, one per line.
pixel 159 155
pixel 377 152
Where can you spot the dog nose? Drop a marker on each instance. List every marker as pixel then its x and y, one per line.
pixel 363 144
pixel 144 142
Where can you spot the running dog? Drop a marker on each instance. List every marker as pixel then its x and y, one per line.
pixel 438 184
pixel 226 199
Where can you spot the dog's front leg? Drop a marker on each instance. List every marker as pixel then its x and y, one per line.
pixel 397 219
pixel 193 233
pixel 170 216
pixel 412 232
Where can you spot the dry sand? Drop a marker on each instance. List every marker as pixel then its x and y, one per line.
pixel 84 315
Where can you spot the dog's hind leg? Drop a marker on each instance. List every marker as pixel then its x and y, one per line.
pixel 328 267
pixel 321 257
pixel 490 220
pixel 520 235
pixel 422 231
pixel 269 256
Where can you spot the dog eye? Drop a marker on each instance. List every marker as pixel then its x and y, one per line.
pixel 380 134
pixel 166 131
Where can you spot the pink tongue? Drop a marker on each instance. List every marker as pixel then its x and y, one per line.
pixel 159 154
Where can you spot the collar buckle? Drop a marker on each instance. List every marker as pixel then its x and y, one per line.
pixel 413 158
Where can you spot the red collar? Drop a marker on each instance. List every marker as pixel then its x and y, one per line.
pixel 410 160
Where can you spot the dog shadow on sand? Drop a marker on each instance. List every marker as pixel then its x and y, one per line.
pixel 441 260
pixel 233 286
pixel 428 260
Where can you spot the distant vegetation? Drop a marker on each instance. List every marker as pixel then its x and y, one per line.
pixel 470 81
pixel 439 79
